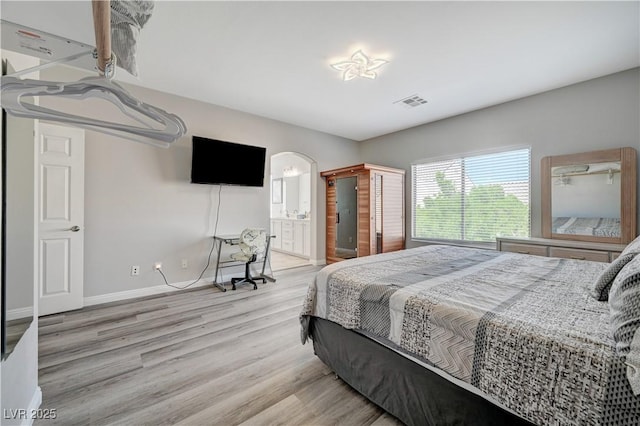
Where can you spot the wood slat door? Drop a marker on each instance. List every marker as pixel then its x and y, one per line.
pixel 331 220
pixel 392 212
pixel 364 214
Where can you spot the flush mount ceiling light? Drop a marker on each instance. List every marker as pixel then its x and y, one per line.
pixel 360 65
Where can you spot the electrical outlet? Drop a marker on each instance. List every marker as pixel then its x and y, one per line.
pixel 157 266
pixel 135 270
pixel 185 263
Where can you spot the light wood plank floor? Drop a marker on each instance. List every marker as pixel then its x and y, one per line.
pixel 195 357
pixel 281 261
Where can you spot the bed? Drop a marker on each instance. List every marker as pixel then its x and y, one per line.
pixel 594 226
pixel 453 335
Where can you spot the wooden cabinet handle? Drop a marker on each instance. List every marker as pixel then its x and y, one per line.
pixel 523 252
pixel 578 257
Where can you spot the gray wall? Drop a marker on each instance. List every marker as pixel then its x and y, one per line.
pixel 597 114
pixel 141 208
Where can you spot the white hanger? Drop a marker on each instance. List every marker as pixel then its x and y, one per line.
pixel 160 129
pixel 169 126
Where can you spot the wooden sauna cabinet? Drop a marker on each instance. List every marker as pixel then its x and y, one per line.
pixel 365 211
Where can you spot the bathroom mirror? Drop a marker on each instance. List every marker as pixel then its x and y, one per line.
pixel 590 196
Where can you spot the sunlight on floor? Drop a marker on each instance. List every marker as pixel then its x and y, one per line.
pixel 280 261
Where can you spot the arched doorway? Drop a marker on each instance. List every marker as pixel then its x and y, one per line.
pixel 292 212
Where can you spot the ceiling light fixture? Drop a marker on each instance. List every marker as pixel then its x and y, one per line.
pixel 290 171
pixel 360 65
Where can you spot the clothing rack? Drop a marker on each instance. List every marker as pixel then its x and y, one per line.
pixel 102 28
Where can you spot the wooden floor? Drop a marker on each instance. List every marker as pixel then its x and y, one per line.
pixel 195 357
pixel 281 261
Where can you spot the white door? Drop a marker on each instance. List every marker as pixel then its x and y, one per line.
pixel 61 218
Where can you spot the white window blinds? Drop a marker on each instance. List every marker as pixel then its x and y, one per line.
pixel 473 199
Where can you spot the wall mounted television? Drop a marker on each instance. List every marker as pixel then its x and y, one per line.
pixel 217 162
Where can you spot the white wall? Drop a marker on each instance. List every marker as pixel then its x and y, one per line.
pixel 597 114
pixel 141 208
pixel 20 378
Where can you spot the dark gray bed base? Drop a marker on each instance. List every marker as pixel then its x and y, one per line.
pixel 410 392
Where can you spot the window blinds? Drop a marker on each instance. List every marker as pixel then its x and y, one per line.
pixel 473 198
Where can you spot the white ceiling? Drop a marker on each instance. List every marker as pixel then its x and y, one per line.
pixel 272 58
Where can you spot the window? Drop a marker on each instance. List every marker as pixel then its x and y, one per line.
pixel 472 199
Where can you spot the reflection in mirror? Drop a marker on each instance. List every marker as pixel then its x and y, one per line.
pixel 346 217
pixel 18 227
pixel 585 199
pixel 297 199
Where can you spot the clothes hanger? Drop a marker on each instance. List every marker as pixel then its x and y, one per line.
pixel 158 127
pixel 169 126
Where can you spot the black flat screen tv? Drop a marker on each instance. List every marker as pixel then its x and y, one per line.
pixel 217 162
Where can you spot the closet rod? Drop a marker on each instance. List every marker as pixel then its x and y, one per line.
pixel 102 27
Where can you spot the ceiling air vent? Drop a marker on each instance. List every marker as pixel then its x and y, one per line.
pixel 411 101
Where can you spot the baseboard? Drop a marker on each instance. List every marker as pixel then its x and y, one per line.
pixel 142 292
pixel 19 313
pixel 318 262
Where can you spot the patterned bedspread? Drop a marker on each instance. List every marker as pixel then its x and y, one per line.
pixel 522 329
pixel 595 226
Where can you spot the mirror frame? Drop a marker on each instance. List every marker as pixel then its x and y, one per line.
pixel 3 227
pixel 628 170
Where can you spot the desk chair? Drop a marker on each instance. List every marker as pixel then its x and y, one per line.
pixel 253 245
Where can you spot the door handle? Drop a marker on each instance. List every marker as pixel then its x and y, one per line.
pixel 337 217
pixel 74 228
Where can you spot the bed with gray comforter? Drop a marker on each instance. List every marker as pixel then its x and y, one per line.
pixel 522 330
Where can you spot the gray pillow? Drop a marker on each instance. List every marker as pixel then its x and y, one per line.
pixel 632 247
pixel 602 285
pixel 624 306
pixel 600 288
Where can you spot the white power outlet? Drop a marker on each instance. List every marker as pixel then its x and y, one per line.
pixel 135 270
pixel 157 265
pixel 185 263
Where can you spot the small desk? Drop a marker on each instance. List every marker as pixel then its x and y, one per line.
pixel 234 240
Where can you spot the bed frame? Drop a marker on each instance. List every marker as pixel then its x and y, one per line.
pixel 408 391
